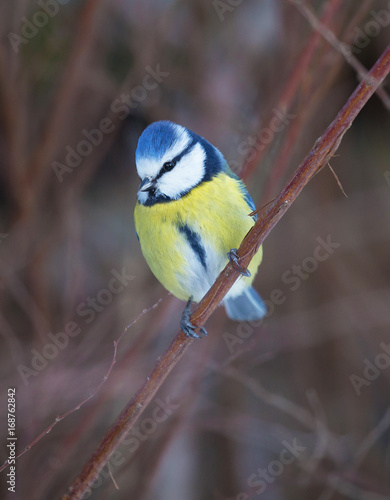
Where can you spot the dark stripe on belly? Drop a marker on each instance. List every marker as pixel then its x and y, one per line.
pixel 193 239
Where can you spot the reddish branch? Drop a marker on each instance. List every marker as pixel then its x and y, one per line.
pixel 293 82
pixel 342 48
pixel 318 157
pixel 91 395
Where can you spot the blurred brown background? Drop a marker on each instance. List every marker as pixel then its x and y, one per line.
pixel 296 408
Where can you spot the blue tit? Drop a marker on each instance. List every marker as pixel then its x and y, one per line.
pixel 192 213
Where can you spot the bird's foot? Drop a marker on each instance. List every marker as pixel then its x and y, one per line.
pixel 233 257
pixel 185 324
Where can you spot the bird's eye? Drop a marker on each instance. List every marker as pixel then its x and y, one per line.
pixel 168 166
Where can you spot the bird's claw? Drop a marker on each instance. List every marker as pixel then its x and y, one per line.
pixel 233 257
pixel 187 327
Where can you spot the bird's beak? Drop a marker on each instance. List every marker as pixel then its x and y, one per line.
pixel 146 185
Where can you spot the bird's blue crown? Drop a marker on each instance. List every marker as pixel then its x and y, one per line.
pixel 161 137
pixel 158 138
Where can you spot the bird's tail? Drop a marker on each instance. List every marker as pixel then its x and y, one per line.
pixel 248 306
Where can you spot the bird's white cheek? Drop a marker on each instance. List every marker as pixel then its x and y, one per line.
pixel 187 174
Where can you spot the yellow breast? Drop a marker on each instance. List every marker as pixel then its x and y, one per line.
pixel 217 211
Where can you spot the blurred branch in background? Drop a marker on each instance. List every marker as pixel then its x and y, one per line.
pixel 79 81
pixel 339 46
pixel 294 81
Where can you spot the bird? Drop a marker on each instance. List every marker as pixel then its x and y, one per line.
pixel 191 214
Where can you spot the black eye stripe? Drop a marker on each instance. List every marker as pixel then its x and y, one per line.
pixel 176 158
pixel 185 151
